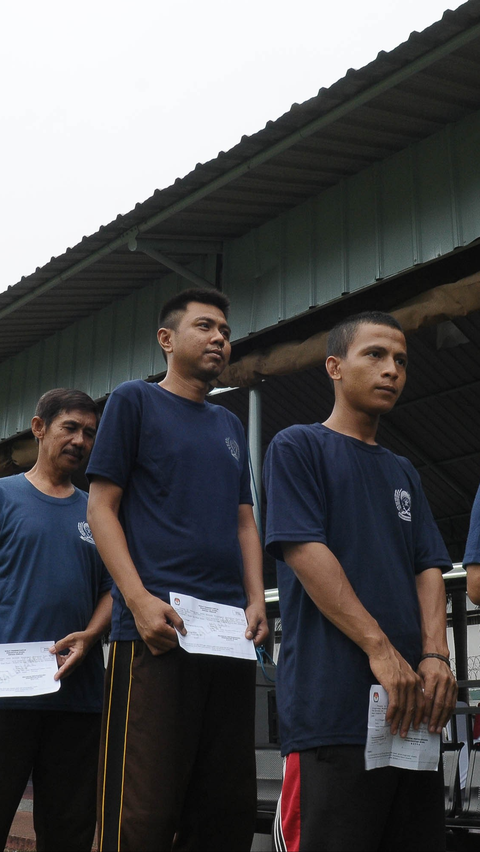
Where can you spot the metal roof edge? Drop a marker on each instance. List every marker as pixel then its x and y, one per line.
pixel 361 97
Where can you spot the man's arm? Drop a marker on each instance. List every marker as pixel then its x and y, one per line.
pixel 325 581
pixel 473 582
pixel 471 560
pixel 252 575
pixel 79 644
pixel 153 617
pixel 439 684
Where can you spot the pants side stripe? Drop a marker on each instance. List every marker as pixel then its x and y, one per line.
pixel 125 740
pixel 102 820
pixel 278 839
pixel 116 715
pixel 290 805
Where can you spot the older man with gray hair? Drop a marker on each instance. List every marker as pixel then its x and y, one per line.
pixel 53 587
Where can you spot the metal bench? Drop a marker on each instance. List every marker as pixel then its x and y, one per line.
pixel 451 757
pixel 269 785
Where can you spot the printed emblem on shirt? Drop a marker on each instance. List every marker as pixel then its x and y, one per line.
pixel 233 447
pixel 403 503
pixel 85 532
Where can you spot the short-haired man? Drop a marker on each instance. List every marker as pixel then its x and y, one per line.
pixel 53 586
pixel 362 601
pixel 170 508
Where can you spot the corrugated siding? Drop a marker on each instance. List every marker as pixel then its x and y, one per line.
pixel 415 206
pixel 95 354
pixel 409 209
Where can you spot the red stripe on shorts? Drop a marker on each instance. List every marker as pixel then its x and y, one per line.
pixel 290 804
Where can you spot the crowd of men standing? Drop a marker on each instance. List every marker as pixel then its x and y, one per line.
pixel 362 600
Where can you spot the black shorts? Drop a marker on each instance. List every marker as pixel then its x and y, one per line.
pixel 330 803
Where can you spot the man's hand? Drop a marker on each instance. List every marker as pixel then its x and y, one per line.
pixel 156 622
pixel 406 701
pixel 77 645
pixel 440 691
pixel 257 628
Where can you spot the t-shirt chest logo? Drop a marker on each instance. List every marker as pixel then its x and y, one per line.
pixel 85 532
pixel 403 503
pixel 233 447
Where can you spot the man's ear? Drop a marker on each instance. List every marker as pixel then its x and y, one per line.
pixel 333 367
pixel 164 337
pixel 38 427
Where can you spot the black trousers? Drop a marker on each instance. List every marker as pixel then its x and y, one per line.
pixel 177 765
pixel 60 751
pixel 330 803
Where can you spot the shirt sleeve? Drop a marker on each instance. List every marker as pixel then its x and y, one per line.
pixel 116 443
pixel 106 581
pixel 472 549
pixel 430 549
pixel 245 495
pixel 295 496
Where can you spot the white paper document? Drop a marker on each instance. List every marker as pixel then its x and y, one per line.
pixel 213 628
pixel 27 668
pixel 418 750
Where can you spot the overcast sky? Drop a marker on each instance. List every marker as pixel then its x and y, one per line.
pixel 106 100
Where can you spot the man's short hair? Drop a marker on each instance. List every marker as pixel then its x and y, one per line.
pixel 59 400
pixel 343 333
pixel 172 310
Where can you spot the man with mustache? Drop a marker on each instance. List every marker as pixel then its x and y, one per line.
pixel 171 510
pixel 53 587
pixel 362 602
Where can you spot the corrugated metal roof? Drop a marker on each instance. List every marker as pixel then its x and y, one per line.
pixel 403 96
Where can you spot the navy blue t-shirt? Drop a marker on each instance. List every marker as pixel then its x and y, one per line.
pixel 472 548
pixel 367 506
pixel 183 468
pixel 51 577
